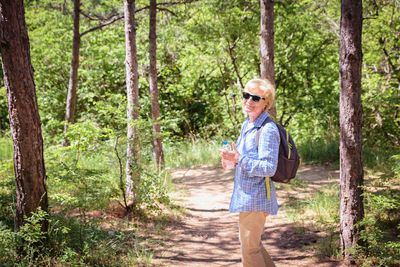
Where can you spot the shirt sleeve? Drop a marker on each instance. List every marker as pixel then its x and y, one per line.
pixel 268 150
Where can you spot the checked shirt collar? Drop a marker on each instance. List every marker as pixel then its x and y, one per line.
pixel 258 122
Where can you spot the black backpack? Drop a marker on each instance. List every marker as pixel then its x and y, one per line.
pixel 288 158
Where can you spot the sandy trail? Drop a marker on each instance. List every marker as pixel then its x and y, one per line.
pixel 208 236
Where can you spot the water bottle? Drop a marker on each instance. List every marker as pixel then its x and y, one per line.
pixel 229 164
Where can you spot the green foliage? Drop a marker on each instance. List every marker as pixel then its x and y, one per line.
pixel 7 182
pixel 27 241
pixel 321 207
pixel 49 41
pixel 153 192
pixel 6 149
pixel 30 233
pixel 7 201
pixel 7 245
pixel 189 153
pixel 306 57
pixel 381 229
pixel 381 55
pixel 205 55
pixel 325 205
pixel 83 180
pixel 319 151
pixel 3 109
pixel 321 210
pixel 78 175
pixel 396 165
pixel 206 52
pixel 69 243
pixel 380 158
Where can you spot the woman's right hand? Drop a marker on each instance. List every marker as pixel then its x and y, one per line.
pixel 223 163
pixel 229 156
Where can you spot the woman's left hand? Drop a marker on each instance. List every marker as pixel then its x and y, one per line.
pixel 232 156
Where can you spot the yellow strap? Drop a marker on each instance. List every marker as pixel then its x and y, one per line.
pixel 268 188
pixel 290 145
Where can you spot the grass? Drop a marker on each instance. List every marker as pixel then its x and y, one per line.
pixel 83 188
pixel 324 204
pixel 73 243
pixel 321 206
pixel 91 181
pixel 6 149
pixel 318 211
pixel 327 151
pixel 319 151
pixel 192 153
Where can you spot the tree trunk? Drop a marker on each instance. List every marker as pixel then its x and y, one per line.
pixel 132 89
pixel 30 174
pixel 155 108
pixel 351 168
pixel 73 76
pixel 267 45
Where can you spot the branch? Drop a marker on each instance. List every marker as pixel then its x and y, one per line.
pixel 224 86
pixel 120 174
pixel 88 16
pixel 167 10
pixel 97 17
pixel 392 66
pixel 177 3
pixel 233 59
pixel 103 25
pixel 118 17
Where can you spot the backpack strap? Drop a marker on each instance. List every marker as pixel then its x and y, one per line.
pixel 258 133
pixel 268 119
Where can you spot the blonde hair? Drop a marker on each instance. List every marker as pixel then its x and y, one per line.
pixel 264 85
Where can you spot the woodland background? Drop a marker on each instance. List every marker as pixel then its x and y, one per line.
pixel 206 51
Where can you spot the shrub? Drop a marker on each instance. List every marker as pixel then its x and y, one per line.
pixel 380 229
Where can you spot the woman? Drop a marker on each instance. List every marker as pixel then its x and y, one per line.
pixel 254 194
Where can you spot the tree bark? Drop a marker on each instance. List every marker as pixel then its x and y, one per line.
pixel 155 108
pixel 267 45
pixel 351 168
pixel 132 89
pixel 30 174
pixel 73 78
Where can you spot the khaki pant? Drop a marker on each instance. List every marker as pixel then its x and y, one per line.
pixel 251 227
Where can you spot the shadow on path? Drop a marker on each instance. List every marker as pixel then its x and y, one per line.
pixel 208 236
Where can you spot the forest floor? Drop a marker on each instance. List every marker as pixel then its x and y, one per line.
pixel 207 234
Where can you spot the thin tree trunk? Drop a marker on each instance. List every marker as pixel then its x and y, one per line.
pixel 351 168
pixel 73 78
pixel 155 108
pixel 267 45
pixel 30 174
pixel 132 89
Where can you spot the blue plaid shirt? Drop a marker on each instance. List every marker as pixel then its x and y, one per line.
pixel 250 190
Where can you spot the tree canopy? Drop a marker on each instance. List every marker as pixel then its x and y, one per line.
pixel 207 50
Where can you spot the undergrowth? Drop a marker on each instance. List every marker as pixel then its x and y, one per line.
pixel 88 225
pixel 379 229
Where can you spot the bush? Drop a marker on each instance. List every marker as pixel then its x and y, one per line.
pixel 381 229
pixel 25 245
pixel 153 191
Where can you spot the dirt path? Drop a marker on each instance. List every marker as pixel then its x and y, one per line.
pixel 208 236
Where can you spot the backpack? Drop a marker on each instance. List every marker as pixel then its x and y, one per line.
pixel 288 157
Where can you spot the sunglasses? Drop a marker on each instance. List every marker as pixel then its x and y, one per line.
pixel 254 98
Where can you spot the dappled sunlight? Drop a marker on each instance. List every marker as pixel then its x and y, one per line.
pixel 208 235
